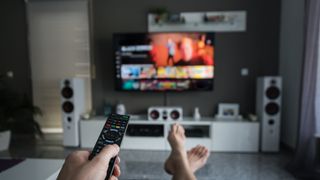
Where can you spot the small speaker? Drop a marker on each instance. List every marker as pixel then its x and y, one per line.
pixel 268 107
pixel 72 106
pixel 158 113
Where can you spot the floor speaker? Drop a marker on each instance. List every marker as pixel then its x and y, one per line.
pixel 73 105
pixel 268 107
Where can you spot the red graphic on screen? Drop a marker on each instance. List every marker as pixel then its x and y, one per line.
pixel 174 49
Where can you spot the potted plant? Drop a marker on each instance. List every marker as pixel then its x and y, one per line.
pixel 160 14
pixel 17 114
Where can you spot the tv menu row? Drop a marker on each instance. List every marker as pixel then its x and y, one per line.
pixel 146 71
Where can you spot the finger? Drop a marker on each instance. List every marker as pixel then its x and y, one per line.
pixel 113 178
pixel 103 158
pixel 116 170
pixel 118 160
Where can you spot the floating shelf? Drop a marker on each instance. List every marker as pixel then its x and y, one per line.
pixel 215 21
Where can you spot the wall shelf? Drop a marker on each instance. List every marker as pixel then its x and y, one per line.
pixel 215 21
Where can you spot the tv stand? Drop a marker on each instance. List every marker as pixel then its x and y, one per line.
pixel 216 134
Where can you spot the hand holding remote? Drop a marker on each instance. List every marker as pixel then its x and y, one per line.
pixel 77 166
pixel 112 133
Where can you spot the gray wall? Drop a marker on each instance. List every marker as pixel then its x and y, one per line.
pixel 256 49
pixel 13 45
pixel 290 67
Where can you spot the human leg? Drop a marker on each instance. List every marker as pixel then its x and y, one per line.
pixel 182 164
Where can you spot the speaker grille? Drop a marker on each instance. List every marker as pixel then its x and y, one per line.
pixel 67 92
pixel 175 115
pixel 272 108
pixel 273 92
pixel 154 114
pixel 67 107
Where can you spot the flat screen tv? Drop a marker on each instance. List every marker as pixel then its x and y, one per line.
pixel 177 61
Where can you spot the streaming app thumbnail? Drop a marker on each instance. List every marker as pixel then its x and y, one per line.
pixel 149 85
pixel 130 85
pixel 167 85
pixel 147 72
pixel 140 71
pixel 200 72
pixel 182 72
pixel 166 72
pixel 130 71
pixel 183 84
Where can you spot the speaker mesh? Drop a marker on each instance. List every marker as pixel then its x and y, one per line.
pixel 67 107
pixel 272 108
pixel 273 92
pixel 175 115
pixel 67 92
pixel 154 114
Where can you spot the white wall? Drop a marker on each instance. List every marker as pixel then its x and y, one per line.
pixel 290 67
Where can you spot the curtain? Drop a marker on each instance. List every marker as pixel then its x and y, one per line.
pixel 304 162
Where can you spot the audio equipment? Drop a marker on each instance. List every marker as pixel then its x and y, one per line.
pixel 268 107
pixel 73 105
pixel 158 113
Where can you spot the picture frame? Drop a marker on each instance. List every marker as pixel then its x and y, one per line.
pixel 228 111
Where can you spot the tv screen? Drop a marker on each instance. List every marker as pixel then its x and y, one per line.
pixel 177 61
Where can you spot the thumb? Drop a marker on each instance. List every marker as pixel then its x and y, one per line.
pixel 103 158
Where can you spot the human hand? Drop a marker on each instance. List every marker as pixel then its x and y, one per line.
pixel 78 167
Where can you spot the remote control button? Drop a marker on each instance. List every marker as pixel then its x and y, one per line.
pixel 109 142
pixel 103 136
pixel 114 130
pixel 100 143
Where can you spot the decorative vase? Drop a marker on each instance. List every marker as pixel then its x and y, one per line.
pixel 120 109
pixel 196 114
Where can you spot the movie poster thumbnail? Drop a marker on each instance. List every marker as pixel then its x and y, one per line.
pixel 168 72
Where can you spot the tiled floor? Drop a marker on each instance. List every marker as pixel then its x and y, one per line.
pixel 149 164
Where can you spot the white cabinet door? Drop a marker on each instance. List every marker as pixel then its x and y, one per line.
pixel 235 136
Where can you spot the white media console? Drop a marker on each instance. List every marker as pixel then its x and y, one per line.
pixel 216 134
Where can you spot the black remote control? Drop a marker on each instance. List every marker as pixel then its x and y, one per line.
pixel 112 133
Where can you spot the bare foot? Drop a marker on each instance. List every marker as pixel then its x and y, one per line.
pixel 176 140
pixel 197 157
